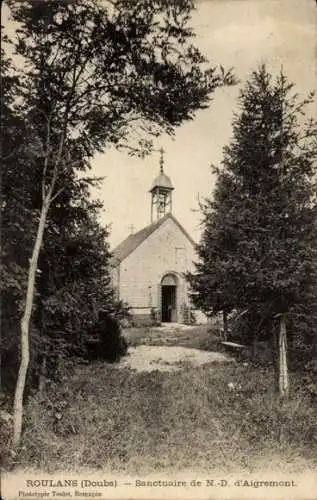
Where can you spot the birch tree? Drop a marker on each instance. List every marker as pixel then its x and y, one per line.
pixel 95 75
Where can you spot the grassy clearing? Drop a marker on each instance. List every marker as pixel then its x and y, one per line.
pixel 213 418
pixel 196 337
pixel 217 417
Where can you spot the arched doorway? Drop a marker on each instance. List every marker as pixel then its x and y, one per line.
pixel 169 298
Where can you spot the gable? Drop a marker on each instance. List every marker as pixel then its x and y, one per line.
pixel 132 242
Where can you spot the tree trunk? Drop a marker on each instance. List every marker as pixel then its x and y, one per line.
pixel 283 369
pixel 25 325
pixel 275 361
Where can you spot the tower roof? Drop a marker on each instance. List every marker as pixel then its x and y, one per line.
pixel 162 180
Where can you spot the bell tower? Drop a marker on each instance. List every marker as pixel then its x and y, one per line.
pixel 161 193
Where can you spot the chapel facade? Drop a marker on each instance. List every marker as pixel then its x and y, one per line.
pixel 149 265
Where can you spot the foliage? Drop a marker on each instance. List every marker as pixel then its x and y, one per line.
pixel 110 345
pixel 94 75
pixel 188 315
pixel 155 316
pixel 258 252
pixel 103 69
pixel 73 275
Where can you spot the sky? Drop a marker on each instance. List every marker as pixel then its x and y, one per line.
pixel 234 33
pixel 238 33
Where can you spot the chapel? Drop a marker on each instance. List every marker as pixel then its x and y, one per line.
pixel 149 265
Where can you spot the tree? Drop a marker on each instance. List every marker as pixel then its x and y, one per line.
pixel 73 275
pixel 93 72
pixel 74 283
pixel 257 253
pixel 16 226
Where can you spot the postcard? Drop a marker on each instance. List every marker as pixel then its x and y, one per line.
pixel 159 299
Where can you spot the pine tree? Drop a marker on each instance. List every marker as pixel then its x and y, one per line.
pixel 257 253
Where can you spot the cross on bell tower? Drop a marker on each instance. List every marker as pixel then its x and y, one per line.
pixel 161 151
pixel 161 191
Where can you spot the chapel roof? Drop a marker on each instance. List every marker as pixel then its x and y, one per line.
pixel 129 244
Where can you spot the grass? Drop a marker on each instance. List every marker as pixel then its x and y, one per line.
pixel 196 337
pixel 106 418
pixel 222 417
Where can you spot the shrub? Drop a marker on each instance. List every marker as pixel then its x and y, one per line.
pixel 188 316
pixel 109 344
pixel 155 317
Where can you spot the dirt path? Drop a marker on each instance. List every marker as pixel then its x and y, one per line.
pixel 169 347
pixel 146 358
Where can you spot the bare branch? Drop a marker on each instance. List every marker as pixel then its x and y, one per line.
pixel 57 194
